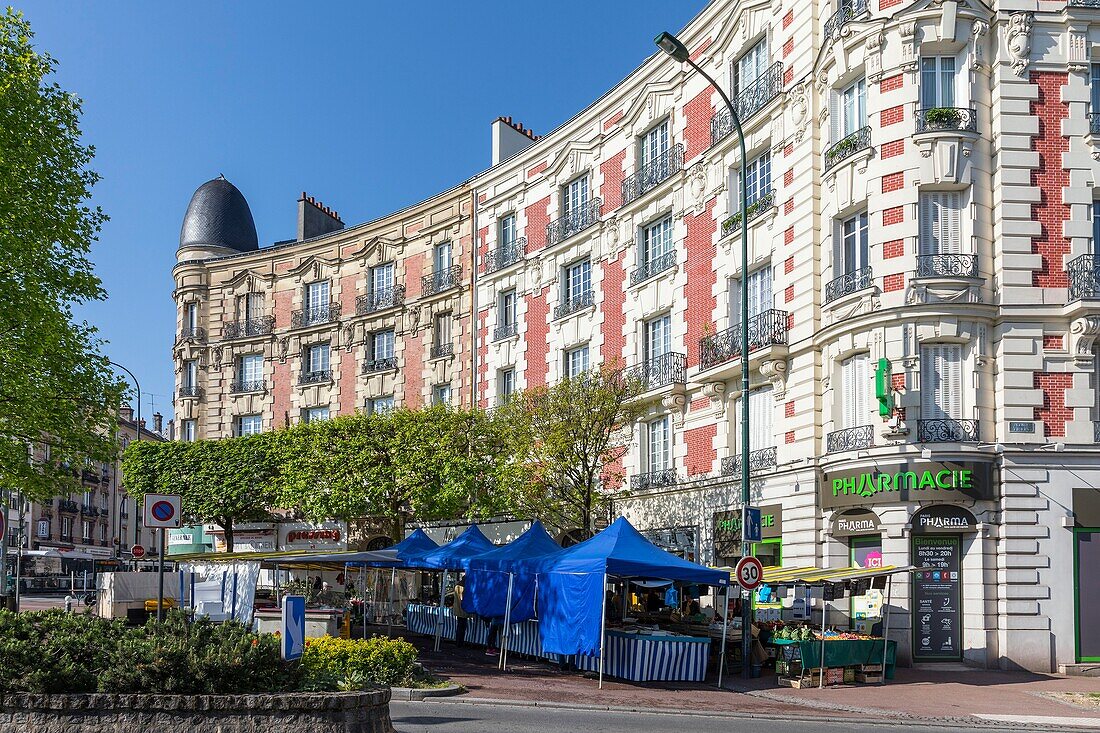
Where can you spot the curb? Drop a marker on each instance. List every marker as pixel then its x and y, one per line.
pixel 417 694
pixel 876 718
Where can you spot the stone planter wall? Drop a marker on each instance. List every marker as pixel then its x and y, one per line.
pixel 336 712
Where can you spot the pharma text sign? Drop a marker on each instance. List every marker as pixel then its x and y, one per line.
pixel 911 481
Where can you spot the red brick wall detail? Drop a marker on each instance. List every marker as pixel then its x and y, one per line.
pixel 788 75
pixel 789 437
pixel 788 177
pixel 613 309
pixel 1054 412
pixel 537 219
pixel 701 277
pixel 897 382
pixel 893 248
pixel 486 387
pixel 893 148
pixel 699 403
pixel 788 47
pixel 700 449
pixel 891 116
pixel 788 236
pixel 612 188
pixel 1052 342
pixel 891 83
pixel 348 378
pixel 788 206
pixel 537 169
pixel 893 215
pixel 788 295
pixel 1049 178
pixel 482 244
pixel 788 266
pixel 536 337
pixel 701 48
pixel 788 19
pixel 788 409
pixel 788 150
pixel 893 182
pixel 413 351
pixel 613 120
pixel 884 4
pixel 894 282
pixel 697 113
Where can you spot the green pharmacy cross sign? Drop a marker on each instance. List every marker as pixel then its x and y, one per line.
pixel 884 388
pixel 913 481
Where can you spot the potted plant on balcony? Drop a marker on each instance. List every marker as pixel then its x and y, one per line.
pixel 942 118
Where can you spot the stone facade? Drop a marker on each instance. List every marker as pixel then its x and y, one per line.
pixel 351 712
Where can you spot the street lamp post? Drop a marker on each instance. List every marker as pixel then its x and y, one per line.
pixel 672 46
pixel 138 424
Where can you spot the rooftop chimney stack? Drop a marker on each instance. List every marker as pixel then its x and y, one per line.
pixel 158 422
pixel 315 219
pixel 509 138
pixel 126 413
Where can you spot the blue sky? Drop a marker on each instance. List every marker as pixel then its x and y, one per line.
pixel 368 106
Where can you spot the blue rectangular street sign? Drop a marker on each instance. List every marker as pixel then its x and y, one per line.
pixel 294 627
pixel 751 524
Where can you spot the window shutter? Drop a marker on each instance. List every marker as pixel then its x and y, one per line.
pixel 951 223
pixel 735 301
pixel 952 382
pixel 834 117
pixel 927 224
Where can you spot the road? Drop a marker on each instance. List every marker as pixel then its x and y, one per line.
pixel 462 717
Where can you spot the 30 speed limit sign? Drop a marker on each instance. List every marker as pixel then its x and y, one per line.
pixel 749 572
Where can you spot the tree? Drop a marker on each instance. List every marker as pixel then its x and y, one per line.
pixel 55 386
pixel 571 437
pixel 219 481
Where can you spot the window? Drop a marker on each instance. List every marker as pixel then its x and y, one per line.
pixel 849 112
pixel 317 300
pixel 249 424
pixel 940 223
pixel 941 382
pixel 750 67
pixel 866 552
pixel 441 394
pixel 190 376
pixel 761 436
pixel 658 445
pixel 191 317
pixel 86 531
pixel 576 361
pixel 381 345
pixel 380 405
pixel 654 145
pixel 1094 89
pixel 250 372
pixel 937 82
pixel 850 254
pixel 442 332
pixel 760 295
pixel 658 337
pixel 506 385
pixel 250 306
pixel 315 414
pixel 381 278
pixel 67 528
pixel 43 529
pixel 855 391
pixel 656 241
pixel 578 280
pixel 103 534
pixel 88 498
pixel 317 359
pixel 187 430
pixel 442 257
pixel 575 196
pixel 506 308
pixel 758 178
pixel 1096 222
pixel 507 233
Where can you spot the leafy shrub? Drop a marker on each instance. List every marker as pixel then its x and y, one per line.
pixel 330 663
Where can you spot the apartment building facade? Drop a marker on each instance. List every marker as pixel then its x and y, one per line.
pixel 921 215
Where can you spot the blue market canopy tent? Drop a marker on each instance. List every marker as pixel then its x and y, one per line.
pixel 450 556
pixel 571 584
pixel 489 577
pixel 417 543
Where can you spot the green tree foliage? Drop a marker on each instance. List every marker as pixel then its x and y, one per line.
pixel 56 388
pixel 569 439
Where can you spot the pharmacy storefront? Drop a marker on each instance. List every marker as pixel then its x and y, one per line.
pixel 923 513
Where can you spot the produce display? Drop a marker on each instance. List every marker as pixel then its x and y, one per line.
pixel 806 633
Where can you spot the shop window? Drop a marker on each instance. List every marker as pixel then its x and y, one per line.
pixel 866 610
pixel 769 552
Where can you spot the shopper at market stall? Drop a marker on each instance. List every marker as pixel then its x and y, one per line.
pixel 461 615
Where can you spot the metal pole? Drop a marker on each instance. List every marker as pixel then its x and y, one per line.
pixel 160 578
pixel 390 606
pixel 824 613
pixel 5 500
pixel 138 425
pixel 603 625
pixel 886 626
pixel 439 622
pixel 503 666
pixel 725 630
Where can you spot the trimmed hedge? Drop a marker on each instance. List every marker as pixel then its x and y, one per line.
pixel 348 664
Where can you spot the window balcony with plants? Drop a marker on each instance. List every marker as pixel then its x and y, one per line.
pixel 941 119
pixel 762 204
pixel 847 147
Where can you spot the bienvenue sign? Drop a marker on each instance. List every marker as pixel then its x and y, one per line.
pixel 910 481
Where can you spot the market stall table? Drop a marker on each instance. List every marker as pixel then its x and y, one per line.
pixel 651 657
pixel 843 653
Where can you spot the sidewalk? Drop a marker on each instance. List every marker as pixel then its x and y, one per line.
pixel 951 695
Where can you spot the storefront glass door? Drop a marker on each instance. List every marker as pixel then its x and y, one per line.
pixel 1087 593
pixel 866 610
pixel 936 600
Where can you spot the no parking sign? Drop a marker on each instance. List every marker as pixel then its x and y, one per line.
pixel 162 511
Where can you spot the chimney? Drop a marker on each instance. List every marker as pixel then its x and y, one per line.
pixel 509 138
pixel 142 421
pixel 126 413
pixel 158 422
pixel 315 219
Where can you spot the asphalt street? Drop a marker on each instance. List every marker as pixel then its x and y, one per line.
pixel 462 717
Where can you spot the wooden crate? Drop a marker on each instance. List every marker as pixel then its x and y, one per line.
pixel 849 675
pixel 870 668
pixel 800 682
pixel 869 678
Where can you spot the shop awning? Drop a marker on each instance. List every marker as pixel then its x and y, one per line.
pixel 338 560
pixel 818 576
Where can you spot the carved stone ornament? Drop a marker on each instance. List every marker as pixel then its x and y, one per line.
pixel 283 348
pixel 697 184
pixel 909 46
pixel 776 372
pixel 611 234
pixel 349 337
pixel 216 356
pixel 716 393
pixel 1083 332
pixel 1078 49
pixel 675 403
pixel 874 56
pixel 977 33
pixel 800 109
pixel 1018 40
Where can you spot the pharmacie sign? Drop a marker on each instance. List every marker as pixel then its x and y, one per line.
pixel 910 481
pixel 727 528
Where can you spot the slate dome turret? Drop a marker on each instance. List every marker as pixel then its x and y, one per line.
pixel 218 220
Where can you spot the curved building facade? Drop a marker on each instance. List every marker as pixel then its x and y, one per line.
pixel 921 285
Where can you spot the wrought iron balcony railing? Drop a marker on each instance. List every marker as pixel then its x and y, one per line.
pixel 243 386
pixel 759 460
pixel 849 11
pixel 506 254
pixel 89 476
pixel 654 174
pixel 847 146
pixel 66 505
pixel 318 376
pixel 1094 117
pixel 248 327
pixel 194 333
pixel 935 119
pixel 505 331
pixel 848 283
pixel 653 267
pixel 750 100
pixel 438 282
pixel 88 510
pixel 947 431
pixel 757 206
pixel 573 222
pixel 947 265
pixel 850 439
pixel 1096 431
pixel 385 364
pixel 767 329
pixel 315 316
pixel 1084 3
pixel 654 480
pixel 440 351
pixel 380 300
pixel 1084 277
pixel 660 371
pixel 190 391
pixel 578 302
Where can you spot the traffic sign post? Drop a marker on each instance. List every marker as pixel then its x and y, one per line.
pixel 750 524
pixel 749 573
pixel 162 512
pixel 137 552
